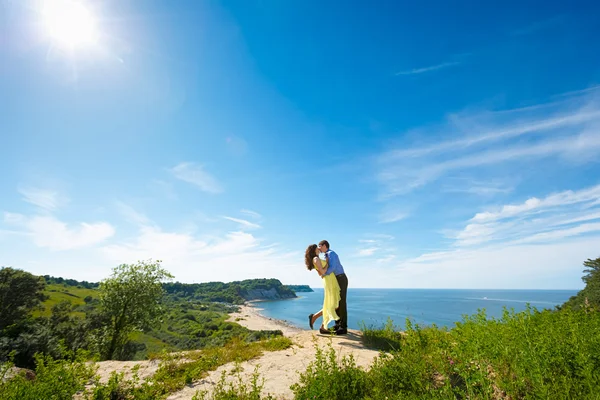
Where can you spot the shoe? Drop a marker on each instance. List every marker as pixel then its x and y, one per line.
pixel 336 326
pixel 310 321
pixel 341 331
pixel 326 331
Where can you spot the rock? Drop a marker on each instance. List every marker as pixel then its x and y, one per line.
pixel 14 371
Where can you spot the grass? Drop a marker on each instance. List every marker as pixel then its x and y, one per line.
pixel 61 292
pixel 387 338
pixel 238 390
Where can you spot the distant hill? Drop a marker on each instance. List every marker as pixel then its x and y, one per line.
pixel 234 292
pixel 237 292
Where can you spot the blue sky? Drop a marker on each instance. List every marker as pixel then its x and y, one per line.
pixel 435 145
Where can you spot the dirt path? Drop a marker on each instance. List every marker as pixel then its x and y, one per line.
pixel 280 369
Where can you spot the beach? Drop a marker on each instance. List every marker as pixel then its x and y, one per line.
pixel 250 317
pixel 280 369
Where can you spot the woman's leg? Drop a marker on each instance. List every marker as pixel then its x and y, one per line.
pixel 317 316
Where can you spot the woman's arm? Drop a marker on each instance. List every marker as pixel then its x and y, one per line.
pixel 319 266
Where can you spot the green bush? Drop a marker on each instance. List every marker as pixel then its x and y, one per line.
pixel 386 338
pixel 54 379
pixel 526 355
pixel 531 354
pixel 239 390
pixel 325 378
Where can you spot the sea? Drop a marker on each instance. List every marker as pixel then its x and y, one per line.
pixel 443 307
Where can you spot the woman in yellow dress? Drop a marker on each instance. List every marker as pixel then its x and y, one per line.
pixel 331 298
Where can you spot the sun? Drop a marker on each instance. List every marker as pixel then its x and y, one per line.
pixel 70 23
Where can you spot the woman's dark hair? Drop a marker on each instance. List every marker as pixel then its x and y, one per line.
pixel 311 252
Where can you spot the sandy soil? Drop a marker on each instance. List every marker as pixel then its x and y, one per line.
pixel 147 369
pixel 280 369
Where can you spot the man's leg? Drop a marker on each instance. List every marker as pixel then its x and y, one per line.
pixel 342 308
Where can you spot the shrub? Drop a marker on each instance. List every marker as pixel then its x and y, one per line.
pixel 54 379
pixel 386 338
pixel 325 378
pixel 237 390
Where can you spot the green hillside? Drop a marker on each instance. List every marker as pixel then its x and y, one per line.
pixel 194 314
pixel 56 293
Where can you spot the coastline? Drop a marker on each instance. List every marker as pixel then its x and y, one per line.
pixel 250 317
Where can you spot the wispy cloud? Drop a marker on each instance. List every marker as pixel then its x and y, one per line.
pixel 554 217
pixel 251 213
pixel 196 175
pixel 243 223
pixel 431 68
pixel 368 251
pixel 42 198
pixel 483 188
pixel 568 130
pixel 132 215
pixel 390 216
pixel 379 247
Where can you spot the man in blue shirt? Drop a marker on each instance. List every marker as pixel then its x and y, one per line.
pixel 335 267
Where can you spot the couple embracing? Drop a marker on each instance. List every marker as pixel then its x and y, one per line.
pixel 335 285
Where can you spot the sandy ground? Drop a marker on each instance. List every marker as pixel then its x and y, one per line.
pixel 147 368
pixel 280 369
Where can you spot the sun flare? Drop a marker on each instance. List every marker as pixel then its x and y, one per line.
pixel 70 23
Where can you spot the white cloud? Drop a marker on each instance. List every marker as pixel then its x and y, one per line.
pixel 196 175
pixel 379 246
pixel 534 220
pixel 49 232
pixel 568 131
pixel 499 267
pixel 234 256
pixel 386 259
pixel 431 68
pixel 251 213
pixel 554 200
pixel 388 217
pixel 368 251
pixel 561 233
pixel 43 198
pixel 243 223
pixel 132 215
pixel 483 188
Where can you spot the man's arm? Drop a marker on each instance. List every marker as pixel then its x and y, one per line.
pixel 334 259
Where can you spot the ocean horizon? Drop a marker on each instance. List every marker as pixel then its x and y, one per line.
pixel 442 307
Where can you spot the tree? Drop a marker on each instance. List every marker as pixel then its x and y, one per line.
pixel 130 299
pixel 590 294
pixel 20 293
pixel 592 271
